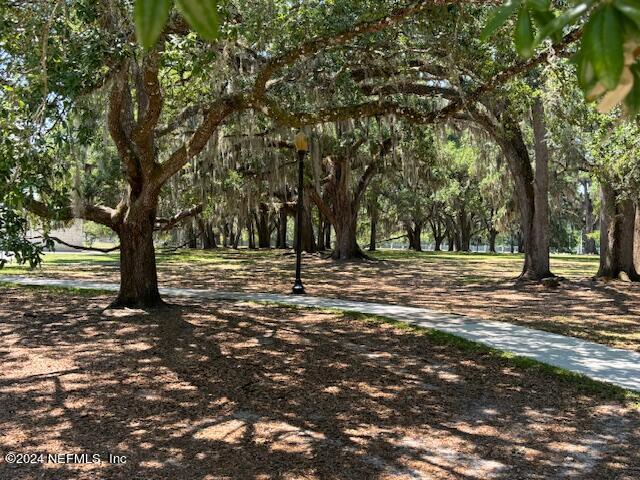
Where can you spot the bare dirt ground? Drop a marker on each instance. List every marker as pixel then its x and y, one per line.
pixel 475 285
pixel 229 390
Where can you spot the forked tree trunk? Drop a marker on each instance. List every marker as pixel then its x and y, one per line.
pixel 138 275
pixel 341 202
pixel 618 231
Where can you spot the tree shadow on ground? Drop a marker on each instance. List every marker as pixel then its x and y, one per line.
pixel 476 285
pixel 223 390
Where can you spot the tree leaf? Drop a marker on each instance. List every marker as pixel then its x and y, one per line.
pixel 524 33
pixel 202 15
pixel 150 17
pixel 630 9
pixel 603 36
pixel 561 21
pixel 500 15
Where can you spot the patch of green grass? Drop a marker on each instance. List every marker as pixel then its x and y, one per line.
pixel 65 258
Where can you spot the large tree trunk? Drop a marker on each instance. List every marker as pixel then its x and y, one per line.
pixel 346 242
pixel 617 234
pixel 138 275
pixel 537 259
pixel 341 204
pixel 531 192
pixel 346 220
pixel 345 215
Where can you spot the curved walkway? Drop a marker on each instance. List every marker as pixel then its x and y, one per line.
pixel 599 362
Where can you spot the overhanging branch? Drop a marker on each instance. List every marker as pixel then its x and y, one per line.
pixel 164 224
pixel 378 108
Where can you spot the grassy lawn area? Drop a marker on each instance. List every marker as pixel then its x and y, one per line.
pixel 240 390
pixel 475 284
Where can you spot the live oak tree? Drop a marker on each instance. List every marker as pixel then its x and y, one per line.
pixel 88 47
pixel 350 157
pixel 163 105
pixel 616 149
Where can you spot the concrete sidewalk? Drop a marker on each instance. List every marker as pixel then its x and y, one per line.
pixel 599 362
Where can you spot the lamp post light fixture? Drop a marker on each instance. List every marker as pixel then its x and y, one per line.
pixel 302 147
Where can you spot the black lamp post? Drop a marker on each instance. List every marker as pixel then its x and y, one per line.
pixel 302 147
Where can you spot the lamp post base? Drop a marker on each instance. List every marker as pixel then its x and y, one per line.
pixel 298 288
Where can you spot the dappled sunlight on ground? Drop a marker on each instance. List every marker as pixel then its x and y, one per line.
pixel 238 390
pixel 478 285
